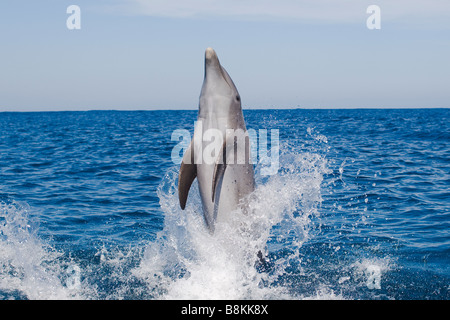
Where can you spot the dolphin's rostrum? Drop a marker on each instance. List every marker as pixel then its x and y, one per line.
pixel 219 153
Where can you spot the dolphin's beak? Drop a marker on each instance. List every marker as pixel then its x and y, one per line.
pixel 214 71
pixel 212 64
pixel 211 56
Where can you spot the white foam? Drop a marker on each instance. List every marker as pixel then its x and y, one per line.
pixel 371 271
pixel 187 262
pixel 27 264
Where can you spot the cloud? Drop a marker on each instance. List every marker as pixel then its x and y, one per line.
pixel 332 11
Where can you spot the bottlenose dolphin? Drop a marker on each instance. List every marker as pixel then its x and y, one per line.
pixel 219 154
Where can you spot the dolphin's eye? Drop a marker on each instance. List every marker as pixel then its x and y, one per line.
pixel 238 98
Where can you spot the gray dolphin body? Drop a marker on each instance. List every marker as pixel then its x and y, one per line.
pixel 219 154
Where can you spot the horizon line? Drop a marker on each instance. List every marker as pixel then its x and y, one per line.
pixel 247 108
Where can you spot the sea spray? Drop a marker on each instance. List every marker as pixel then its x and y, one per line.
pixel 30 268
pixel 187 262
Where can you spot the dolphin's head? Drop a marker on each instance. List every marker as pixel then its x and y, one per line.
pixel 218 92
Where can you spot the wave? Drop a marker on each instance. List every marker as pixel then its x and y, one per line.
pixel 29 267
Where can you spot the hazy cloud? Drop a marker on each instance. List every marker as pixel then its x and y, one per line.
pixel 332 11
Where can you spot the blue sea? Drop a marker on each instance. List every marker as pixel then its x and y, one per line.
pixel 359 208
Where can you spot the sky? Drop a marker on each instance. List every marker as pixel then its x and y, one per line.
pixel 147 55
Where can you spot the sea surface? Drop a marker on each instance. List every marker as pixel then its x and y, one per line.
pixel 358 208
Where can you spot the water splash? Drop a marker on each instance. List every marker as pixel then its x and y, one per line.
pixel 29 266
pixel 371 270
pixel 187 262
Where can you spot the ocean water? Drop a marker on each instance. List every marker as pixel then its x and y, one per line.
pixel 358 209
